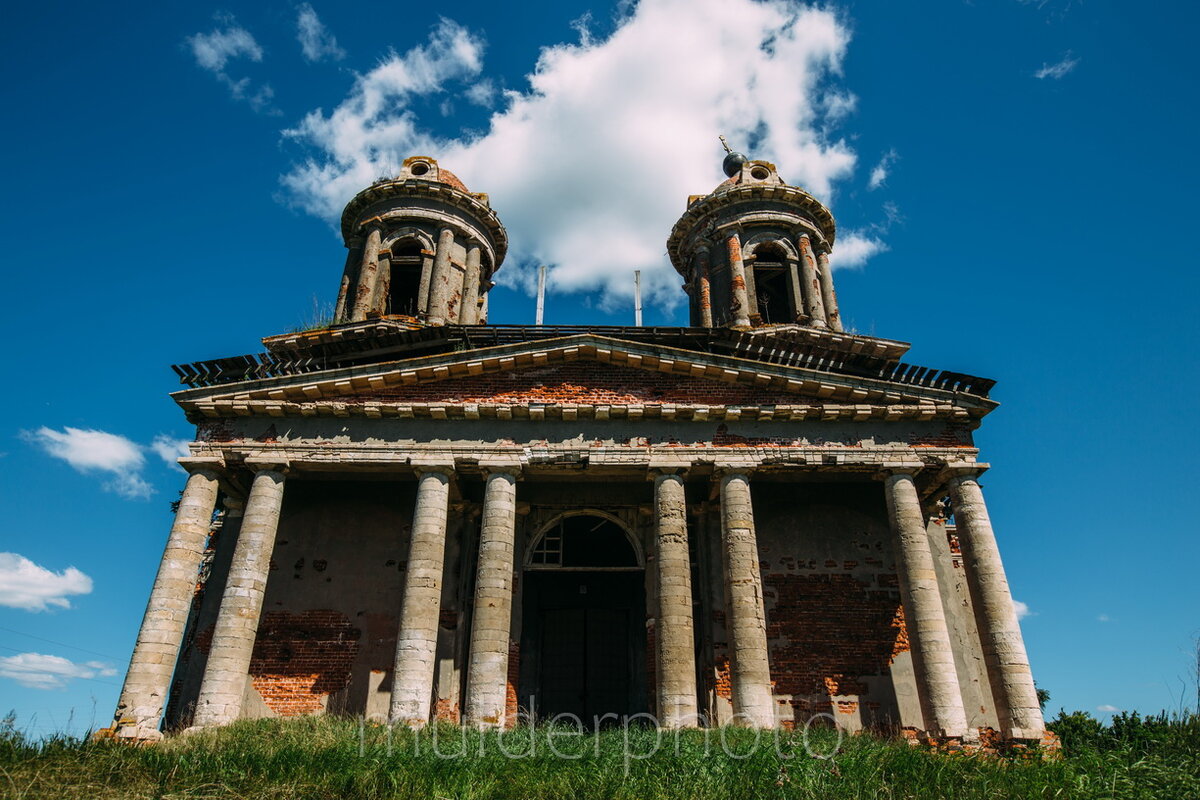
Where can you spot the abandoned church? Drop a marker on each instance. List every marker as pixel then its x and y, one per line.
pixel 412 514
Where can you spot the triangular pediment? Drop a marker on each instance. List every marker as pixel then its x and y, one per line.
pixel 584 371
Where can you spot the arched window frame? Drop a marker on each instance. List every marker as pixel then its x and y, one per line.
pixel 554 522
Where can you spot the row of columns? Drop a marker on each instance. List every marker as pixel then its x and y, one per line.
pixel 813 277
pixel 219 702
pixel 448 292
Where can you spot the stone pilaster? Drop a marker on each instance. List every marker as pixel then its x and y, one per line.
pixel 739 307
pixel 675 658
pixel 810 284
pixel 140 708
pixel 345 303
pixel 364 290
pixel 487 669
pixel 225 675
pixel 996 617
pixel 924 616
pixel 469 312
pixel 416 642
pixel 439 282
pixel 750 672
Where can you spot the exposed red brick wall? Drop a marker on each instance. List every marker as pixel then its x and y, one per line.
pixel 510 688
pixel 578 382
pixel 829 630
pixel 446 710
pixel 301 658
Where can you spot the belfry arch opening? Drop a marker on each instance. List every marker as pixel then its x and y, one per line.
pixel 583 643
pixel 771 284
pixel 404 289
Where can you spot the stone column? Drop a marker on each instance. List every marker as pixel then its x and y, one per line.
pixel 810 285
pixel 739 306
pixel 487 669
pixel 225 675
pixel 828 295
pixel 345 303
pixel 795 291
pixel 439 282
pixel 999 632
pixel 675 658
pixel 924 616
pixel 364 290
pixel 469 314
pixel 140 708
pixel 416 642
pixel 703 290
pixel 423 286
pixel 750 671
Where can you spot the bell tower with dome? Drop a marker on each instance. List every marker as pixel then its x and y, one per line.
pixel 411 515
pixel 421 246
pixel 754 252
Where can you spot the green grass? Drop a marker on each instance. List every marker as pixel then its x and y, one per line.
pixel 1156 757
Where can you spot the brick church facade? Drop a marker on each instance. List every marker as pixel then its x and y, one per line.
pixel 413 514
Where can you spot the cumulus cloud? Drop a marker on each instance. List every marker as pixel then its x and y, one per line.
pixel 1107 708
pixel 591 165
pixel 40 671
pixel 169 449
pixel 91 451
pixel 316 42
pixel 214 50
pixel 1103 618
pixel 855 248
pixel 879 173
pixel 29 586
pixel 1058 69
pixel 1022 609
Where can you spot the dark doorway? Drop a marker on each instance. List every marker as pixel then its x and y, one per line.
pixel 583 646
pixel 771 285
pixel 406 279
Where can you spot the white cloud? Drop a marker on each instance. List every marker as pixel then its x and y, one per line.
pixel 854 248
pixel 39 671
pixel 1106 707
pixel 98 451
pixel 215 49
pixel 1059 69
pixel 481 93
pixel 880 172
pixel 1103 618
pixel 316 42
pixel 169 449
pixel 591 165
pixel 28 586
pixel 1022 609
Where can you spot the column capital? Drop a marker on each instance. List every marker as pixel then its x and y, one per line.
pixel 957 470
pixel 659 468
pixel 211 464
pixel 722 471
pixel 428 467
pixel 268 463
pixel 501 467
pixel 894 468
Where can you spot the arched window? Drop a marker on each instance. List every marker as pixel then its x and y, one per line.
pixel 771 284
pixel 584 541
pixel 406 278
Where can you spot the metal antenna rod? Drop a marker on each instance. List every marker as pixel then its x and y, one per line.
pixel 541 294
pixel 637 298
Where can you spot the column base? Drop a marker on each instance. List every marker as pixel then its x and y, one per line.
pixel 987 741
pixel 133 734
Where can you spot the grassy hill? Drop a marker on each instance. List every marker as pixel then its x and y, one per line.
pixel 1157 758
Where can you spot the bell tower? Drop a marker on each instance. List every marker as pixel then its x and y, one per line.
pixel 420 246
pixel 755 252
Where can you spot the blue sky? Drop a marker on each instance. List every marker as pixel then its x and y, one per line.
pixel 1013 183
